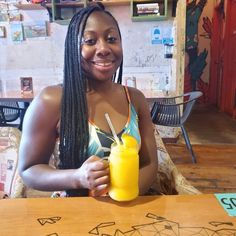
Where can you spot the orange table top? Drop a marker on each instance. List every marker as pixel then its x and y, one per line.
pixel 147 215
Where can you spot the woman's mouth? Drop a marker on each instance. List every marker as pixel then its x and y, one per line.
pixel 103 66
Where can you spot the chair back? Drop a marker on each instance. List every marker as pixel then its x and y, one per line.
pixel 173 111
pixel 191 98
pixel 10 112
pixel 165 112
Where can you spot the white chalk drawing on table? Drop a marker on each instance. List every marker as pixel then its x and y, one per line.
pixel 162 226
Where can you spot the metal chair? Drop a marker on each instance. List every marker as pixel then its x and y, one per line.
pixel 10 112
pixel 174 111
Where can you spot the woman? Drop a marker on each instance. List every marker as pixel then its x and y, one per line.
pixel 71 114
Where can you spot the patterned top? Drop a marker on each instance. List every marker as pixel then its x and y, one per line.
pixel 100 141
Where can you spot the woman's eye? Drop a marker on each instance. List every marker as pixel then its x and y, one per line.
pixel 112 39
pixel 89 41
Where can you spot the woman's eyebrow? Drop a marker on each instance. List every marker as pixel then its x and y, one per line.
pixel 94 30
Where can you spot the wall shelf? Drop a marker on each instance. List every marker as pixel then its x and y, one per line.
pixel 65 4
pixel 115 3
pixel 57 8
pixel 29 6
pixel 61 12
pixel 147 13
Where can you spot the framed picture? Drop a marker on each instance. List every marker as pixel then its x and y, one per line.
pixel 26 84
pixel 35 29
pixel 16 32
pixel 2 32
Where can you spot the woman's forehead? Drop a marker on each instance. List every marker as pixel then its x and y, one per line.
pixel 99 19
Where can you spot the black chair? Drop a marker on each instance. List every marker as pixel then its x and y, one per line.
pixel 11 114
pixel 174 111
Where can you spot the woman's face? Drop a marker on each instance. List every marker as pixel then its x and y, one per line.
pixel 101 47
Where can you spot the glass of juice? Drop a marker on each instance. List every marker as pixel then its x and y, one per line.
pixel 124 169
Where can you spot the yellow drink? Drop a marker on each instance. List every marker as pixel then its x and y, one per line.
pixel 124 171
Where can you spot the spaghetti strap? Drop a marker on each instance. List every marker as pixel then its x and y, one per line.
pixel 127 94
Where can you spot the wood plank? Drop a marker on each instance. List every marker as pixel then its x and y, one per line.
pixel 215 171
pixel 213 153
pixel 210 179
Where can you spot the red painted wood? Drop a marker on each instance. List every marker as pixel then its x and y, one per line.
pixel 216 67
pixel 229 75
pixel 223 58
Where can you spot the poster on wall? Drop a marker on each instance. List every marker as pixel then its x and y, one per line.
pixel 26 84
pixel 16 32
pixel 35 29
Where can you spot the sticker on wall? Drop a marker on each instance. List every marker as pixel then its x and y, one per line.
pixel 2 32
pixel 16 32
pixel 156 35
pixel 167 36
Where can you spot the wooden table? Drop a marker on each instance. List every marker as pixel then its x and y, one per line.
pixel 153 95
pixel 16 96
pixel 168 215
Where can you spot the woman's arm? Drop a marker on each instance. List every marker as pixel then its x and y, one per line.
pixel 148 152
pixel 40 131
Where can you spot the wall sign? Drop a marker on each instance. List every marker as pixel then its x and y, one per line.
pixel 156 35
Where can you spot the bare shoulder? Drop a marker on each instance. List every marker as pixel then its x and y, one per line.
pixel 51 95
pixel 46 106
pixel 137 98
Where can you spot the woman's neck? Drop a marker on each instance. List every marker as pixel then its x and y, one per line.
pixel 100 86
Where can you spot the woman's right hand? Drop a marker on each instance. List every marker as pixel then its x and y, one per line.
pixel 94 175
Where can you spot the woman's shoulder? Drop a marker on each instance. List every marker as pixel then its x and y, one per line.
pixel 45 108
pixel 48 101
pixel 50 94
pixel 52 90
pixel 135 94
pixel 137 99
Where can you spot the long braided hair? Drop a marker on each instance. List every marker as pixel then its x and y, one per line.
pixel 74 132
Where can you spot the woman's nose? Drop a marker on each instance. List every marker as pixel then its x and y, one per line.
pixel 103 48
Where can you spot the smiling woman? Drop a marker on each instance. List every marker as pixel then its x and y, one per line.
pixel 101 49
pixel 72 116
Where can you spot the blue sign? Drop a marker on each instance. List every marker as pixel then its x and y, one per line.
pixel 228 201
pixel 168 41
pixel 156 35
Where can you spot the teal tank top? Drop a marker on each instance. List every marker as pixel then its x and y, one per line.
pixel 100 141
